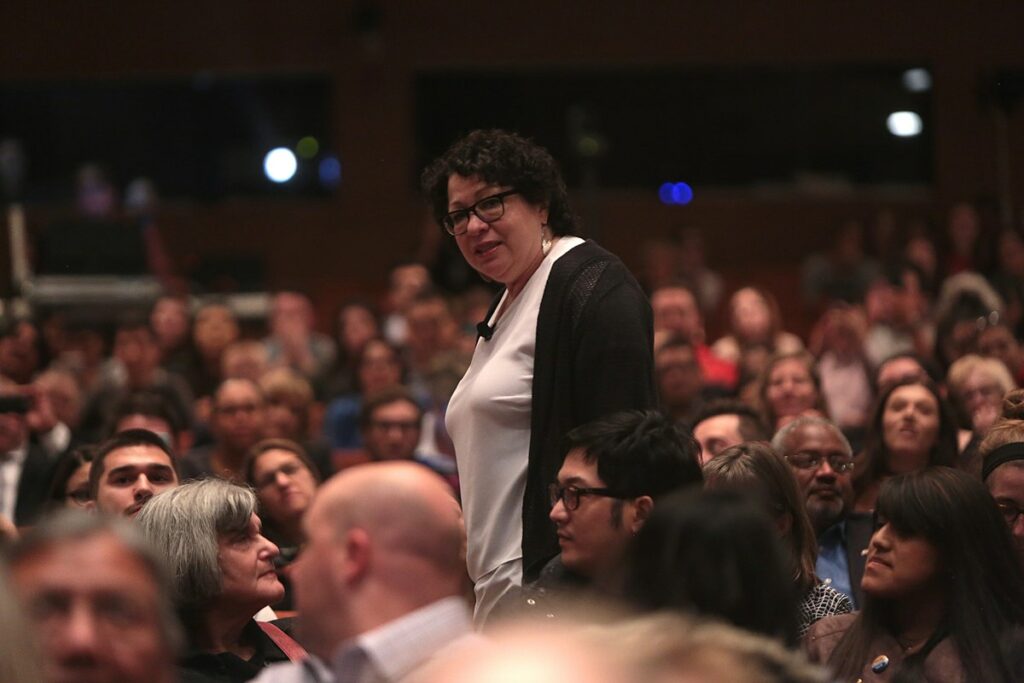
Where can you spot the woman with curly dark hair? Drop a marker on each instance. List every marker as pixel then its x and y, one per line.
pixel 944 594
pixel 568 340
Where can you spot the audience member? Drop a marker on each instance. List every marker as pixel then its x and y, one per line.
pixel 245 359
pixel 19 350
pixel 724 423
pixel 615 470
pixel 223 569
pixel 941 588
pixel 716 555
pixel 755 333
pixel 69 487
pixel 80 351
pixel 237 422
pixel 679 379
pixel 997 341
pixel 405 282
pixel 903 367
pixel 822 460
pixel 214 329
pixel 137 368
pixel 171 325
pixel 64 395
pixel 963 239
pixel 846 378
pixel 676 314
pixel 1008 278
pixel 890 305
pixel 390 422
pixel 20 659
pixel 128 469
pixel 754 469
pixel 842 273
pixel 293 341
pixel 912 426
pixel 397 531
pixel 285 480
pixel 788 388
pixel 290 412
pixel 670 648
pixel 965 305
pixel 538 652
pixel 1002 456
pixel 356 324
pixel 695 271
pixel 976 388
pixel 431 336
pixel 98 599
pixel 152 411
pixel 379 367
pixel 25 467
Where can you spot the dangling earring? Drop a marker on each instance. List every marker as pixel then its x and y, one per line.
pixel 545 241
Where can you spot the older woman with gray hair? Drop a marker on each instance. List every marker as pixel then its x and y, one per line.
pixel 977 386
pixel 224 574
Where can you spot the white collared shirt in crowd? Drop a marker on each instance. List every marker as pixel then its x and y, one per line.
pixel 389 653
pixel 11 465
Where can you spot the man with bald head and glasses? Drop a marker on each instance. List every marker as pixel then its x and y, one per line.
pixel 615 469
pixel 822 460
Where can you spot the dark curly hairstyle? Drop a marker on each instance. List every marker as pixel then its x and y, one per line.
pixel 502 158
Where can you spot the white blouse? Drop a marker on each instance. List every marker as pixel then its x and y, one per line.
pixel 488 419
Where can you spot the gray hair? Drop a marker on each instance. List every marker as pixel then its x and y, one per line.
pixel 185 522
pixel 74 525
pixel 19 653
pixel 782 436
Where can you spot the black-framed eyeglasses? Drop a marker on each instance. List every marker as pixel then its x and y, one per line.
pixel 488 209
pixel 1010 512
pixel 570 495
pixel 812 461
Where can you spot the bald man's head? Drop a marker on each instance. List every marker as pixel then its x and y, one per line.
pixel 403 506
pixel 383 539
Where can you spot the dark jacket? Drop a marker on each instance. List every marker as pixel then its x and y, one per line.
pixel 594 356
pixel 942 665
pixel 203 667
pixel 859 527
pixel 33 485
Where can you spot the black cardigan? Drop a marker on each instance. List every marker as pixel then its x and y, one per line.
pixel 594 356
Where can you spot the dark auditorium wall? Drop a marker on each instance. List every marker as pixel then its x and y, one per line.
pixel 344 244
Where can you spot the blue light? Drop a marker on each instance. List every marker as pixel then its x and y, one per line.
pixel 665 193
pixel 682 193
pixel 330 172
pixel 678 194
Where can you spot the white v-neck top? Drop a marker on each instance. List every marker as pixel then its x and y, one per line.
pixel 488 419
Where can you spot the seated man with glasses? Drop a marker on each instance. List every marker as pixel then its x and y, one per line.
pixel 615 469
pixel 391 425
pixel 822 460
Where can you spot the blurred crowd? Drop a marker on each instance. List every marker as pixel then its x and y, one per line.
pixel 773 501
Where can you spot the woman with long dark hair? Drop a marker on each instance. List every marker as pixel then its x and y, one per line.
pixel 756 470
pixel 942 588
pixel 713 554
pixel 912 426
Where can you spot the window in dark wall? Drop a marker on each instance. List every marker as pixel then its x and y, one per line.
pixel 711 126
pixel 204 137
